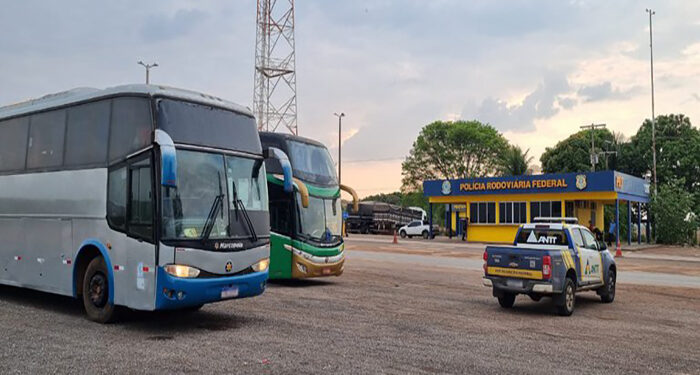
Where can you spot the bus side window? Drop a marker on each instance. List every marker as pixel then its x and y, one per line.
pixel 116 199
pixel 141 200
pixel 280 217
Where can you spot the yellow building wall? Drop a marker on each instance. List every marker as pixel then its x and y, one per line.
pixel 505 233
pixel 492 232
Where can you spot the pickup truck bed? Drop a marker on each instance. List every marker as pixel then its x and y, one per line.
pixel 520 269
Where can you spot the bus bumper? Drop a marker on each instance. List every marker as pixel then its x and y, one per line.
pixel 303 268
pixel 173 292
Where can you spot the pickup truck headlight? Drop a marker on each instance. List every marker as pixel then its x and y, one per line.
pixel 261 265
pixel 181 271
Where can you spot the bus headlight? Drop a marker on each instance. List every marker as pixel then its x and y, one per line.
pixel 261 265
pixel 181 271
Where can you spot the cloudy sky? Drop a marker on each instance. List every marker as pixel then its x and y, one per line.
pixel 536 70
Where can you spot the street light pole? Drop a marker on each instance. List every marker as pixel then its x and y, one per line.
pixel 340 141
pixel 653 115
pixel 148 69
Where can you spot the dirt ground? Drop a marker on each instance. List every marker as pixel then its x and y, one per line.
pixel 378 317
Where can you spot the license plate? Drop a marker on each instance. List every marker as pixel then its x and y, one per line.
pixel 514 283
pixel 229 292
pixel 326 271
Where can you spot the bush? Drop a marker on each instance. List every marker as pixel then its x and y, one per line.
pixel 672 214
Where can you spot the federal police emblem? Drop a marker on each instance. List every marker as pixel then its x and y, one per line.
pixel 446 187
pixel 581 181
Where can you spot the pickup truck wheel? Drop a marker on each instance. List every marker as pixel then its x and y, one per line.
pixel 425 234
pixel 506 300
pixel 402 234
pixel 567 300
pixel 607 294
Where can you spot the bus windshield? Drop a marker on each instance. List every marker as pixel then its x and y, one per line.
pixel 322 220
pixel 311 163
pixel 211 190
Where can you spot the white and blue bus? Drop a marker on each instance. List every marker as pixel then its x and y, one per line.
pixel 140 196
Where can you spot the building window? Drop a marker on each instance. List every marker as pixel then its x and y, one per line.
pixel 512 212
pixel 482 212
pixel 545 209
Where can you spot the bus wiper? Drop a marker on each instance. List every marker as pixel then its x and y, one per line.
pixel 213 211
pixel 211 218
pixel 238 205
pixel 244 212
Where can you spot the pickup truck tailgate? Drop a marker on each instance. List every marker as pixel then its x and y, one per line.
pixel 514 262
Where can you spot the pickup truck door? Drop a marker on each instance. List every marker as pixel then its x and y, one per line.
pixel 412 228
pixel 590 261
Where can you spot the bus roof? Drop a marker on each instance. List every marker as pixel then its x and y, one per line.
pixel 285 136
pixel 86 94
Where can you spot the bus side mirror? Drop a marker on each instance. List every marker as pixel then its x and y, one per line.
pixel 168 158
pixel 355 199
pixel 276 153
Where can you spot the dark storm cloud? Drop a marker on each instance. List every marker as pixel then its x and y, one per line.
pixel 605 91
pixel 540 103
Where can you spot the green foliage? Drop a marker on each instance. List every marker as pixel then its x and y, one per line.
pixel 391 198
pixel 573 153
pixel 673 216
pixel 448 150
pixel 677 156
pixel 515 162
pixel 409 199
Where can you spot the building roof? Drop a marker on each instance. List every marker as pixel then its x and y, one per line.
pixel 85 94
pixel 624 186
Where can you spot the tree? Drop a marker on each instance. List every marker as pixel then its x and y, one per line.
pixel 449 150
pixel 677 153
pixel 391 198
pixel 515 162
pixel 573 153
pixel 672 213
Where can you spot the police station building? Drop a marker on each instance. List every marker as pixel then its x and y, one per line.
pixel 494 207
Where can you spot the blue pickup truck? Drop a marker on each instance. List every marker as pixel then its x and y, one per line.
pixel 550 259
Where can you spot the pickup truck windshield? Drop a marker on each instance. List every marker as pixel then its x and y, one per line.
pixel 543 237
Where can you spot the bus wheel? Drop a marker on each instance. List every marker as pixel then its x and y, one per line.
pixel 96 292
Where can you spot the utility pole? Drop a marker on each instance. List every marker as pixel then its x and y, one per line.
pixel 148 70
pixel 594 155
pixel 340 141
pixel 653 115
pixel 606 153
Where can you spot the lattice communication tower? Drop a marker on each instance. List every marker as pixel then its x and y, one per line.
pixel 275 96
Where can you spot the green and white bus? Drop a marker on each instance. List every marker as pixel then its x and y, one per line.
pixel 306 225
pixel 140 196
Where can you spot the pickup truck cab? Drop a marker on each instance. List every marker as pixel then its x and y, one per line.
pixel 415 228
pixel 549 259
